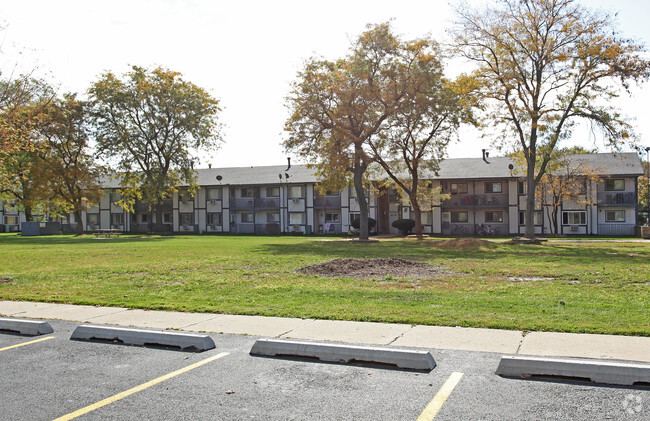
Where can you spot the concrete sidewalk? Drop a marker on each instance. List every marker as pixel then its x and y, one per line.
pixel 550 344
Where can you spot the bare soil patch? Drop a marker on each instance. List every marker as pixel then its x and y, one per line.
pixel 5 280
pixel 463 244
pixel 375 268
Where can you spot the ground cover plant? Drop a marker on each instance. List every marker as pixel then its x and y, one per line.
pixel 562 285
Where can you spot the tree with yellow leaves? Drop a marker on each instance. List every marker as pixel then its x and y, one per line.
pixel 542 65
pixel 387 102
pixel 150 124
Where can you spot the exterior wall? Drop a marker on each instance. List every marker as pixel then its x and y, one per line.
pixel 608 208
pixel 10 217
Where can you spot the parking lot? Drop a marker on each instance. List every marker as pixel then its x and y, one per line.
pixel 49 377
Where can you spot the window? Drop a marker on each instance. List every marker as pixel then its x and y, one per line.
pixel 538 217
pixel 214 218
pixel 296 219
pixel 332 217
pixel 458 188
pixel 273 192
pixel 92 219
pixel 115 196
pixel 296 192
pixel 494 216
pixel 615 185
pixel 167 218
pixel 213 194
pixel 355 218
pixel 522 188
pixel 247 192
pixel 493 187
pixel 247 217
pixel 425 218
pixel 459 217
pixel 13 220
pixel 117 219
pixel 186 219
pixel 332 193
pixel 272 217
pixel 144 218
pixel 615 216
pixel 574 218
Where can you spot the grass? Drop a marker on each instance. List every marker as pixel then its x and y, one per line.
pixel 597 287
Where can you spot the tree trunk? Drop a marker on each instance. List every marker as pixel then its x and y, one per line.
pixel 530 200
pixel 29 217
pixel 417 215
pixel 554 214
pixel 359 169
pixel 80 224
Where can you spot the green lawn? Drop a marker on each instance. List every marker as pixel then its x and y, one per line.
pixel 599 287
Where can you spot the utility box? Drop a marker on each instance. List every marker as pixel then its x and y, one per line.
pixel 51 228
pixel 30 228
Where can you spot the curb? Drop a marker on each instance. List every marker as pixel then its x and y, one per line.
pixel 25 327
pixel 140 337
pixel 405 359
pixel 623 374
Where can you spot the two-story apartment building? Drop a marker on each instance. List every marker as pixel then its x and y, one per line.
pixel 274 200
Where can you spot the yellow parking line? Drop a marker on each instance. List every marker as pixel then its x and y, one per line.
pixel 26 343
pixel 136 389
pixel 436 403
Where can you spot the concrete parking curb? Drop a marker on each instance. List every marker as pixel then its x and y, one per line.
pixel 607 372
pixel 140 337
pixel 25 327
pixel 405 359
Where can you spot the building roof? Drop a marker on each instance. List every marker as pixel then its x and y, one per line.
pixel 606 164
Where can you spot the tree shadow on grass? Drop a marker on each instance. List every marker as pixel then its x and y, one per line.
pixel 424 251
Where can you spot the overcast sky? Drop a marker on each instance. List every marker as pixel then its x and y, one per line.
pixel 245 53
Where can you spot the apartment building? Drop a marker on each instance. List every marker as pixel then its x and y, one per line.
pixel 480 193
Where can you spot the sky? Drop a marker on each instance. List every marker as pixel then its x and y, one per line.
pixel 245 53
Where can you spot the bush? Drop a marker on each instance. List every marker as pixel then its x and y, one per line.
pixel 404 225
pixel 371 224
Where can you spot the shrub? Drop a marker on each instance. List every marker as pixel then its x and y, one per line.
pixel 371 224
pixel 404 225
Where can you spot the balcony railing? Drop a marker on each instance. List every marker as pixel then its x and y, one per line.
pixel 330 228
pixel 499 200
pixel 267 203
pixel 614 199
pixel 269 228
pixel 242 204
pixel 327 202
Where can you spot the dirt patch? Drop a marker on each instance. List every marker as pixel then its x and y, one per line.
pixel 375 268
pixel 463 244
pixel 5 280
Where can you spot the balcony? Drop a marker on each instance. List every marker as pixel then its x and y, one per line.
pixel 242 204
pixel 476 201
pixel 330 228
pixel 616 199
pixel 267 203
pixel 616 229
pixel 327 202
